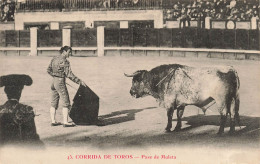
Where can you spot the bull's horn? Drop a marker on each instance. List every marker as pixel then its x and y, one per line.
pixel 137 72
pixel 127 75
pixel 132 75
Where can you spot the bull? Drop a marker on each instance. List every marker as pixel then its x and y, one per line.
pixel 176 86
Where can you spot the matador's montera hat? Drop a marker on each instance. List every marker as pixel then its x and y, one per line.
pixel 15 80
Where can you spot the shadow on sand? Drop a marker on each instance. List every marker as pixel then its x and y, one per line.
pixel 109 119
pixel 191 135
pixel 251 124
pixel 121 116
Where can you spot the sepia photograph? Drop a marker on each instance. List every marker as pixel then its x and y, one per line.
pixel 130 81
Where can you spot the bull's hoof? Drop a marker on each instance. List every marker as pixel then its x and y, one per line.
pixel 168 130
pixel 220 134
pixel 231 133
pixel 168 127
pixel 177 129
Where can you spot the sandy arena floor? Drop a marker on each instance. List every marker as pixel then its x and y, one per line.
pixel 136 126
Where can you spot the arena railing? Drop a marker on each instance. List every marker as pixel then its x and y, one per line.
pixel 196 50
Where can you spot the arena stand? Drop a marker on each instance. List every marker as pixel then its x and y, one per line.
pixel 241 10
pixel 190 27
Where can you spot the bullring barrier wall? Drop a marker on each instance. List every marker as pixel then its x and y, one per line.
pixel 187 42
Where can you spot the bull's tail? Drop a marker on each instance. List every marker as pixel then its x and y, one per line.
pixel 237 98
pixel 237 103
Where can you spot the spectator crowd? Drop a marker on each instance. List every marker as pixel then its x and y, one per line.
pixel 183 10
pixel 7 10
pixel 238 10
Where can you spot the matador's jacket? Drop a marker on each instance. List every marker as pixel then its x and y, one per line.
pixel 17 122
pixel 60 67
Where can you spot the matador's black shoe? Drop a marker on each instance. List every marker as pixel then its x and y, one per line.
pixel 56 124
pixel 68 125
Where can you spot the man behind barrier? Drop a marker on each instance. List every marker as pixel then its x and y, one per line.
pixel 60 69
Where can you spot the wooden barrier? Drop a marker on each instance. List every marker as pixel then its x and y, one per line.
pixel 137 41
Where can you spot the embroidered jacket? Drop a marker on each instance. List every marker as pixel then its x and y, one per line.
pixel 60 67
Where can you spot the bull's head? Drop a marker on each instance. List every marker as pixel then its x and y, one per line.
pixel 140 83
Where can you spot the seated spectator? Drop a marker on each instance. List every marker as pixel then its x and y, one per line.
pixel 233 4
pixel 169 14
pixel 194 4
pixel 194 14
pixel 184 17
pixel 220 15
pixel 114 3
pixel 255 14
pixel 212 13
pixel 106 3
pixel 249 14
pixel 242 17
pixel 7 11
pixel 176 12
pixel 219 5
